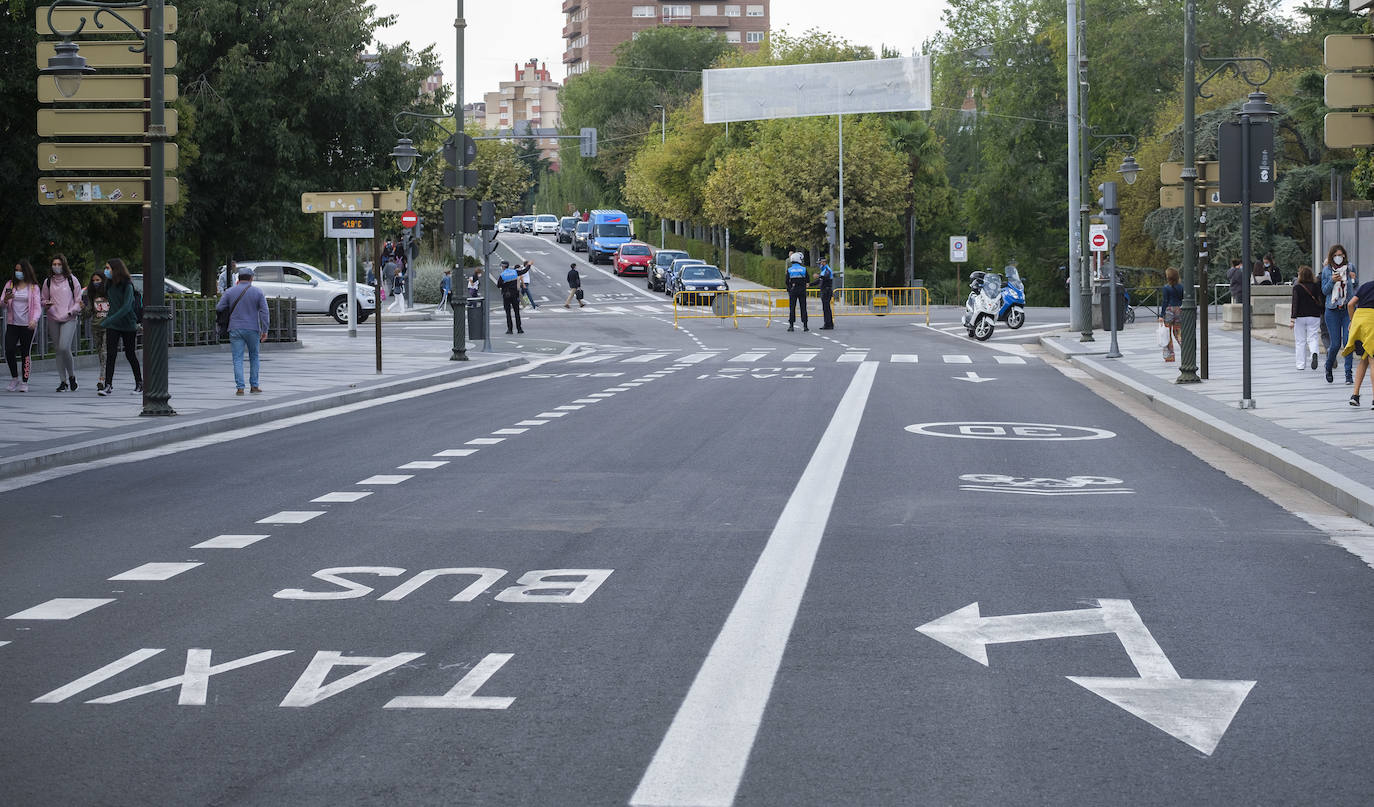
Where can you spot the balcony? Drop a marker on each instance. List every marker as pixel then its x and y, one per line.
pixel 572 29
pixel 572 55
pixel 700 22
pixel 569 6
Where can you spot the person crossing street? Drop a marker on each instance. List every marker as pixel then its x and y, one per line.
pixel 797 281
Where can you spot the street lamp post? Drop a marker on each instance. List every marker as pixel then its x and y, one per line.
pixel 663 140
pixel 67 67
pixel 1129 170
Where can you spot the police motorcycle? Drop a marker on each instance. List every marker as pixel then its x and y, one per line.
pixel 991 300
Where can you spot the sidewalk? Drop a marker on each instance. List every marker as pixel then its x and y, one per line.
pixel 43 428
pixel 1301 428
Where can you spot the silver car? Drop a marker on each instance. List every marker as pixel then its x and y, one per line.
pixel 315 291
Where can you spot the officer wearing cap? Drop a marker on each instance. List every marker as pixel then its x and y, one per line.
pixel 797 280
pixel 509 281
pixel 825 278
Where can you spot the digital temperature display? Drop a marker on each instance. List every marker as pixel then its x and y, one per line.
pixel 349 225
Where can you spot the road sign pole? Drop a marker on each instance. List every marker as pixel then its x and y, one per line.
pixel 352 288
pixel 1187 342
pixel 157 316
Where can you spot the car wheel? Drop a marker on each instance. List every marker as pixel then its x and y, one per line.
pixel 362 316
pixel 338 309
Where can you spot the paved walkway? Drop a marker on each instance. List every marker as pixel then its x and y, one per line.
pixel 1301 427
pixel 44 428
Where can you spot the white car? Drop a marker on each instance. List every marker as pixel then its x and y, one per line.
pixel 545 224
pixel 505 225
pixel 315 291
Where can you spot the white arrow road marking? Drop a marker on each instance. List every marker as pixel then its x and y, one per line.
pixel 1196 711
pixel 973 377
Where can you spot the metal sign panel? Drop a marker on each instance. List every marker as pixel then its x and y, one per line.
pixel 111 54
pixel 802 90
pixel 349 225
pixel 101 156
pixel 1173 196
pixel 1349 51
pixel 1097 238
pixel 1260 161
pixel 1349 89
pixel 99 122
pixel 1345 130
pixel 351 201
pixel 1172 173
pixel 102 89
pixel 68 18
pixel 102 190
pixel 958 249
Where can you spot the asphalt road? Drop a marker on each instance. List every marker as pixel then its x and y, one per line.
pixel 687 567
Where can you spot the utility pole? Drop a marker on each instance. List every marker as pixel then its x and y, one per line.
pixel 1187 370
pixel 458 299
pixel 1075 200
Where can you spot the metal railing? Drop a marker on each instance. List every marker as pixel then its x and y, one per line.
pixel 765 303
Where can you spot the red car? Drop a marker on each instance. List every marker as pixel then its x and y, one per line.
pixel 633 258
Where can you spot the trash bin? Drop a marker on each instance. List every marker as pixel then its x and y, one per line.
pixel 477 318
pixel 1105 304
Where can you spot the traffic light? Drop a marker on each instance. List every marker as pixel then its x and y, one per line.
pixel 459 152
pixel 1110 210
pixel 1349 52
pixel 587 146
pixel 830 226
pixel 467 209
pixel 488 216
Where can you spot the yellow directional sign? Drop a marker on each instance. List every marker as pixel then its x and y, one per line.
pixel 1345 130
pixel 1349 89
pixel 101 89
pixel 351 201
pixel 1208 173
pixel 99 122
pixel 1206 197
pixel 1348 51
pixel 111 53
pixel 68 18
pixel 101 156
pixel 102 190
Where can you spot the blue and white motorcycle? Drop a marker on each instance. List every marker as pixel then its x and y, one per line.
pixel 990 300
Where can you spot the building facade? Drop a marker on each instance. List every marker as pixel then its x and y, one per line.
pixel 594 28
pixel 526 107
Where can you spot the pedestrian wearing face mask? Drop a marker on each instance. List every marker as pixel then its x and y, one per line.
pixel 1339 281
pixel 62 302
pixel 121 325
pixel 21 301
pixel 96 306
pixel 1275 274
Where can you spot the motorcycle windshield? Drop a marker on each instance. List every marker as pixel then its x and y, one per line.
pixel 992 285
pixel 1014 277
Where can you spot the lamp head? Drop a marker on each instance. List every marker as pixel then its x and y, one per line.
pixel 67 67
pixel 1129 169
pixel 404 154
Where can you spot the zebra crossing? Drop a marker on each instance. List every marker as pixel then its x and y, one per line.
pixel 788 356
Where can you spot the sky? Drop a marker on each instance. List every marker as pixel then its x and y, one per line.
pixel 501 33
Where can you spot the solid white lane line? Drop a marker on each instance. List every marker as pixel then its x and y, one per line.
pixel 230 541
pixel 532 423
pixel 485 441
pixel 155 571
pixel 457 452
pixel 292 517
pixel 422 465
pixel 703 756
pixel 907 358
pixel 341 496
pixel 551 414
pixel 1009 360
pixel 958 359
pixel 60 608
pixel 386 479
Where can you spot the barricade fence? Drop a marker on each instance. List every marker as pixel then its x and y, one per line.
pixel 913 301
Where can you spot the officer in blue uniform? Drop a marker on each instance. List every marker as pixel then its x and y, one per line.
pixel 509 281
pixel 826 279
pixel 797 281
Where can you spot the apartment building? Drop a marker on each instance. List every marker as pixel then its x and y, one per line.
pixel 526 107
pixel 594 28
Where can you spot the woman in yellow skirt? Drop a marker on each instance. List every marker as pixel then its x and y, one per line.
pixel 1361 340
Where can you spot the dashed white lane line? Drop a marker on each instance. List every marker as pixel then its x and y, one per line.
pixel 551 414
pixel 616 389
pixel 511 432
pixel 422 465
pixel 292 517
pixel 957 359
pixel 904 358
pixel 155 571
pixel 569 407
pixel 341 496
pixel 602 395
pixel 2 644
pixel 532 423
pixel 230 541
pixel 457 452
pixel 633 384
pixel 1009 360
pixel 387 479
pixel 485 441
pixel 586 400
pixel 61 608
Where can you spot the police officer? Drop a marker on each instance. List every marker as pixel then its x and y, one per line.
pixel 509 281
pixel 826 279
pixel 797 281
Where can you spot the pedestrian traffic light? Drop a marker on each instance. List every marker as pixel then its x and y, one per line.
pixel 1110 210
pixel 830 226
pixel 469 211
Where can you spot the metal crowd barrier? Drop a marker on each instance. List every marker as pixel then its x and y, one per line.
pixel 765 303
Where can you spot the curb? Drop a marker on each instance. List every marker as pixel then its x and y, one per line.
pixel 215 422
pixel 1339 490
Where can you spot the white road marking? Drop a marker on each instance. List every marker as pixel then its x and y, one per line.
pixel 615 309
pixel 107 672
pixel 155 571
pixel 799 357
pixel 386 479
pixel 568 407
pixel 694 358
pixel 602 395
pixel 532 423
pixel 510 431
pixel 703 756
pixel 749 357
pixel 422 465
pixel 635 384
pixel 616 389
pixel 645 357
pixel 60 608
pixel 592 359
pixel 341 496
pixel 2 644
pixel 230 541
pixel 653 309
pixel 292 517
pixel 457 452
pixel 1009 360
pixel 551 414
pixel 485 441
pixel 586 400
pixel 958 359
pixel 852 357
pixel 904 358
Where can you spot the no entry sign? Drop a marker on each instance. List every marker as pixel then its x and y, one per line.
pixel 1097 238
pixel 409 219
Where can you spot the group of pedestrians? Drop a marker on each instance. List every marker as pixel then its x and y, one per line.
pixel 108 300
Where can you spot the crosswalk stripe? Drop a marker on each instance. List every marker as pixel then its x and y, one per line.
pixel 645 357
pixel 958 359
pixel 907 358
pixel 696 357
pixel 852 357
pixel 749 357
pixel 650 308
pixel 593 359
pixel 615 309
pixel 1010 360
pixel 799 357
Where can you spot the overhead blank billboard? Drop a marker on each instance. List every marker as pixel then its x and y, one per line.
pixel 802 90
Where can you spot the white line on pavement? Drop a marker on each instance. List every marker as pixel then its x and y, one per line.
pixel 551 414
pixel 422 465
pixel 457 452
pixel 292 516
pixel 60 608
pixel 230 541
pixel 155 571
pixel 386 479
pixel 485 441
pixel 702 758
pixel 344 496
pixel 907 358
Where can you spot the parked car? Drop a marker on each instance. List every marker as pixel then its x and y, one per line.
pixel 658 270
pixel 545 224
pixel 505 225
pixel 579 243
pixel 315 291
pixel 674 270
pixel 567 227
pixel 169 286
pixel 696 279
pixel 633 258
pixel 526 224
